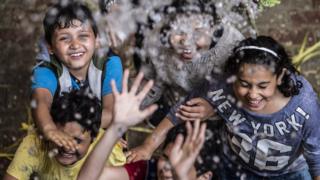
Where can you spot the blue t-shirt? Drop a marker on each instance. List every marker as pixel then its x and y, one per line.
pixel 44 77
pixel 268 144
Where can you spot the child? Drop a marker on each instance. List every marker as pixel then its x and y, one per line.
pixel 126 114
pixel 77 114
pixel 71 37
pixel 271 115
pixel 188 45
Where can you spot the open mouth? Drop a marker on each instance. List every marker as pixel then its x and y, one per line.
pixel 76 55
pixel 67 155
pixel 254 103
pixel 186 54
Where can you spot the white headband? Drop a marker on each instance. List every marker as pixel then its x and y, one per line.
pixel 259 48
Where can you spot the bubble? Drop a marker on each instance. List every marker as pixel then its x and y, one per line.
pixel 52 153
pixel 33 103
pixel 216 159
pixel 77 116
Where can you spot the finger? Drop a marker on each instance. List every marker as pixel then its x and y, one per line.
pixel 114 88
pixel 136 83
pixel 177 143
pixel 125 81
pixel 180 116
pixel 123 143
pixel 128 154
pixel 201 137
pixel 206 175
pixel 190 109
pixel 189 115
pixel 131 157
pixel 194 101
pixel 148 111
pixel 189 132
pixel 195 131
pixel 57 142
pixel 68 143
pixel 65 145
pixel 145 90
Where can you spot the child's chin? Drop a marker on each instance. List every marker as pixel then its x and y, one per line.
pixel 66 161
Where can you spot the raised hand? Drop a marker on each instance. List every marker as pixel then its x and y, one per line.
pixel 195 109
pixel 126 111
pixel 183 155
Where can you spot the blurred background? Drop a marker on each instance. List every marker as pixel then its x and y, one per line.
pixel 290 22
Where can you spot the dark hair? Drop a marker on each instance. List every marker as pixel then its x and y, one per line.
pixel 210 149
pixel 78 106
pixel 61 16
pixel 290 86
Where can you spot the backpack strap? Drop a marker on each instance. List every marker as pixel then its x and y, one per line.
pixel 62 74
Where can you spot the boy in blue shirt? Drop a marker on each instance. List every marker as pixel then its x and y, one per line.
pixel 71 37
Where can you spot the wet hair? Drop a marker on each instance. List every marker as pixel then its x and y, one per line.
pixel 211 148
pixel 178 7
pixel 264 50
pixel 62 16
pixel 78 106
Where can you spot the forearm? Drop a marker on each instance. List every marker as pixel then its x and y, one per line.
pixel 316 178
pixel 106 117
pixel 107 110
pixel 95 163
pixel 41 111
pixel 43 119
pixel 158 135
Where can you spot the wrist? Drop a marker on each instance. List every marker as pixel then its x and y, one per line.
pixel 48 127
pixel 117 129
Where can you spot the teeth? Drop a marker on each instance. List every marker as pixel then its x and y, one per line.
pixel 254 102
pixel 187 51
pixel 76 54
pixel 66 155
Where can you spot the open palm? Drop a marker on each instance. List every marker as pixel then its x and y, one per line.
pixel 126 111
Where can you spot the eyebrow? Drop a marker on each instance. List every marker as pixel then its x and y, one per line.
pixel 260 83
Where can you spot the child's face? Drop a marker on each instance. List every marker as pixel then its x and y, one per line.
pixel 256 87
pixel 83 138
pixel 74 46
pixel 191 35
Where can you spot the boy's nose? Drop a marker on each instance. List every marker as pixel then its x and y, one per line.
pixel 74 44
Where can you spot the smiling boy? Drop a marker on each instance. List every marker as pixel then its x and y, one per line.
pixel 77 114
pixel 71 36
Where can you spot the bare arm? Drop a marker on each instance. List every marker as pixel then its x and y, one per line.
pixel 316 178
pixel 41 114
pixel 126 113
pixel 151 143
pixel 9 177
pixel 41 111
pixel 107 104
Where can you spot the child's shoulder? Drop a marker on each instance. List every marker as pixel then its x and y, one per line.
pixel 306 88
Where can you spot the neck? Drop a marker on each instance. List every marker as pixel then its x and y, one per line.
pixel 80 74
pixel 277 102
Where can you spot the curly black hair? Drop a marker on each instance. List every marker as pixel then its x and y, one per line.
pixel 78 106
pixel 290 86
pixel 211 149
